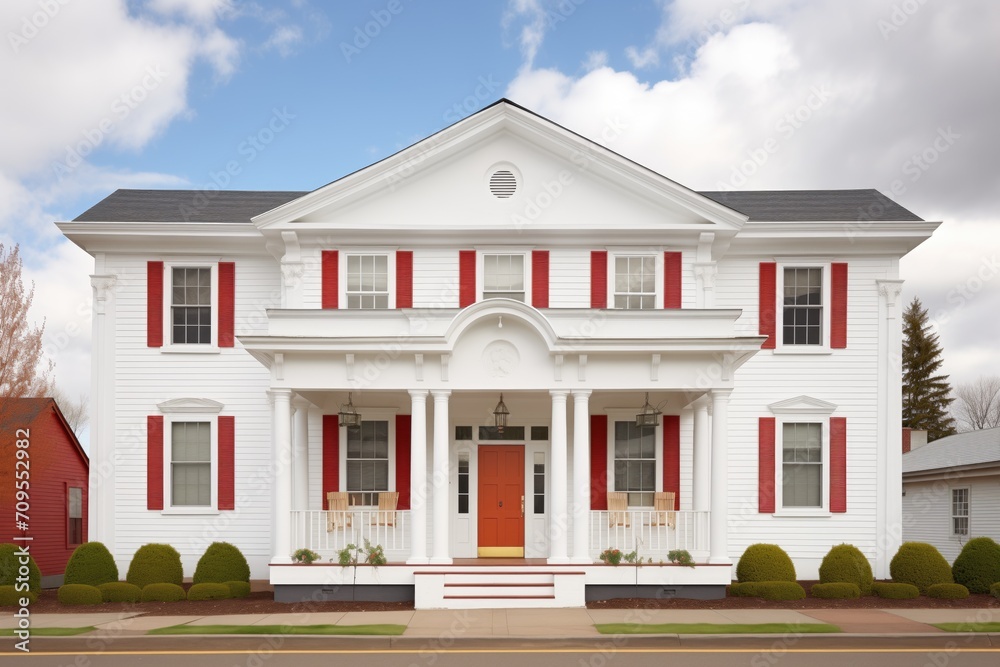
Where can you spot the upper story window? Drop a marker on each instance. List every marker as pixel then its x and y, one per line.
pixel 191 305
pixel 367 281
pixel 960 512
pixel 503 277
pixel 635 282
pixel 802 306
pixel 802 464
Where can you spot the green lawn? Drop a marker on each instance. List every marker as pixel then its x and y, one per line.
pixel 49 632
pixel 968 627
pixel 712 628
pixel 383 629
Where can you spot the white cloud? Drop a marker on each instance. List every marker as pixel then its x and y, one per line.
pixel 531 14
pixel 284 40
pixel 203 11
pixel 222 51
pixel 595 60
pixel 648 57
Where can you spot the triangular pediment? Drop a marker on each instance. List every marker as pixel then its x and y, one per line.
pixel 802 405
pixel 190 405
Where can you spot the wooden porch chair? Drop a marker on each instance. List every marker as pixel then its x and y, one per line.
pixel 663 504
pixel 338 514
pixel 386 514
pixel 618 514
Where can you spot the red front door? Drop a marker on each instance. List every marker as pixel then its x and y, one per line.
pixel 501 501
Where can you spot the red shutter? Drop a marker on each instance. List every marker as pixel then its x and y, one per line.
pixel 154 462
pixel 838 305
pixel 466 278
pixel 599 279
pixel 154 304
pixel 404 279
pixel 227 462
pixel 540 278
pixel 598 462
pixel 227 303
pixel 330 280
pixel 838 464
pixel 768 303
pixel 331 455
pixel 672 457
pixel 765 465
pixel 403 460
pixel 672 280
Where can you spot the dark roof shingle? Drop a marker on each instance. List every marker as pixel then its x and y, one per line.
pixel 813 205
pixel 185 205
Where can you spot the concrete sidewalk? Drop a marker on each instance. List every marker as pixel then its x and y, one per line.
pixel 446 625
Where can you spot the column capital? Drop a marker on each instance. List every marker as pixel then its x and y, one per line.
pixel 440 394
pixel 581 394
pixel 721 394
pixel 418 394
pixel 282 394
pixel 559 393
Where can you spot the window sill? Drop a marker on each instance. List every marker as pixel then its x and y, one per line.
pixel 802 513
pixel 190 349
pixel 180 511
pixel 803 349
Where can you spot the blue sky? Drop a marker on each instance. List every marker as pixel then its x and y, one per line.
pixel 894 95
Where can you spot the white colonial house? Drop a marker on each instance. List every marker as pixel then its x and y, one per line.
pixel 497 353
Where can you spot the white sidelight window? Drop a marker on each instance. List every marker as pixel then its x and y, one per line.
pixel 802 464
pixel 191 305
pixel 960 512
pixel 802 306
pixel 635 462
pixel 367 281
pixel 190 464
pixel 367 462
pixel 503 277
pixel 635 282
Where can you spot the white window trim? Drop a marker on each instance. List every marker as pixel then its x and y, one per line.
pixel 169 346
pixel 613 256
pixel 781 347
pixel 481 269
pixel 168 422
pixel 625 414
pixel 390 254
pixel 952 516
pixel 779 468
pixel 372 414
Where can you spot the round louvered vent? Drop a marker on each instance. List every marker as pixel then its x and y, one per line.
pixel 503 184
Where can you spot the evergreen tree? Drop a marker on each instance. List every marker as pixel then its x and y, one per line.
pixel 926 394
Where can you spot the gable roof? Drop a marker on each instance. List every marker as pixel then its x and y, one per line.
pixel 963 449
pixel 813 205
pixel 186 205
pixel 22 413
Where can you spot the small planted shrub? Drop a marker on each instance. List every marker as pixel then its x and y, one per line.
pixel 920 564
pixel 846 563
pixel 220 563
pixel 947 591
pixel 120 591
pixel 838 590
pixel 11 597
pixel 895 591
pixel 155 564
pixel 238 589
pixel 79 594
pixel 768 590
pixel 995 590
pixel 162 593
pixel 91 564
pixel 978 566
pixel 765 562
pixel 11 566
pixel 208 591
pixel 308 556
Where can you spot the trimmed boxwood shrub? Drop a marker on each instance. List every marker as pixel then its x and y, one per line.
pixel 162 593
pixel 920 564
pixel 91 564
pixel 79 594
pixel 11 597
pixel 208 592
pixel 120 591
pixel 846 563
pixel 837 590
pixel 768 590
pixel 995 590
pixel 155 564
pixel 894 591
pixel 238 589
pixel 765 562
pixel 948 591
pixel 220 563
pixel 978 566
pixel 10 563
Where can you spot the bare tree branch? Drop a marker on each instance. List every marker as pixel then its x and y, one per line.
pixel 979 404
pixel 76 412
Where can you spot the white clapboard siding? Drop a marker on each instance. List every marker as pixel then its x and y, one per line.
pixel 927 511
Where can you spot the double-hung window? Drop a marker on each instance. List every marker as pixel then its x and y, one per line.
pixel 191 305
pixel 367 281
pixel 802 464
pixel 503 276
pixel 191 464
pixel 802 306
pixel 960 512
pixel 635 282
pixel 367 461
pixel 635 462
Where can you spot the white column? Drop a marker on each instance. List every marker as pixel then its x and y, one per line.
pixel 719 519
pixel 889 525
pixel 702 450
pixel 581 476
pixel 282 519
pixel 418 477
pixel 101 491
pixel 559 519
pixel 300 454
pixel 441 477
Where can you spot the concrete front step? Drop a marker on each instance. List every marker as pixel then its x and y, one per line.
pixel 498 589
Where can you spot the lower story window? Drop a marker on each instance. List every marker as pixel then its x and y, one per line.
pixel 74 522
pixel 960 511
pixel 191 464
pixel 367 462
pixel 635 463
pixel 802 465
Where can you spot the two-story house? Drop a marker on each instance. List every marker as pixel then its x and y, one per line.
pixel 498 353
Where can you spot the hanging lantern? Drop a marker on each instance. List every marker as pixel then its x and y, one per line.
pixel 349 416
pixel 648 417
pixel 500 414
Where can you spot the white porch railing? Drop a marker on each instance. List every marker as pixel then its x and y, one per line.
pixel 652 533
pixel 329 532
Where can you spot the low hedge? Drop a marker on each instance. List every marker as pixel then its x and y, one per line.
pixel 11 597
pixel 995 590
pixel 162 593
pixel 978 566
pixel 948 591
pixel 765 562
pixel 238 589
pixel 208 592
pixel 10 566
pixel 91 564
pixel 120 591
pixel 895 591
pixel 846 563
pixel 768 590
pixel 837 590
pixel 920 564
pixel 79 594
pixel 155 564
pixel 220 563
